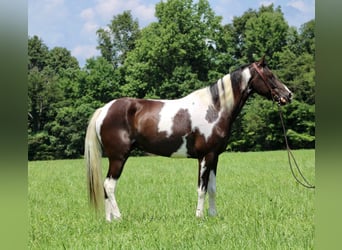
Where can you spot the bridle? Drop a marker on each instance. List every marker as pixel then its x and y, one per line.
pixel 290 155
pixel 262 75
pixel 259 72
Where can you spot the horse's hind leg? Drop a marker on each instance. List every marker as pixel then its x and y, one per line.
pixel 114 172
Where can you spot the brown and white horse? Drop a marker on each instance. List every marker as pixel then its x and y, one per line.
pixel 195 126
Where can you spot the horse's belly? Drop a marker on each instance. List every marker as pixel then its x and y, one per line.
pixel 170 147
pixel 181 152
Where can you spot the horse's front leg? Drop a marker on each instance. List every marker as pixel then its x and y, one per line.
pixel 207 182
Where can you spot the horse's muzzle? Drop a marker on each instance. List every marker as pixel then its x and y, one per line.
pixel 282 100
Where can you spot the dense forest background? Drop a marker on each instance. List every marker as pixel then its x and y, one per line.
pixel 185 49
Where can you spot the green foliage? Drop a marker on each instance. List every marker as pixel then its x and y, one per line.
pixel 52 91
pixel 185 49
pixel 265 34
pixel 300 117
pixel 173 51
pixel 39 147
pixel 99 80
pixel 259 127
pixel 60 59
pixel 307 37
pixel 260 205
pixel 119 38
pixel 43 93
pixel 37 53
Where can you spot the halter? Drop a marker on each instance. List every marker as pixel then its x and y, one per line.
pixel 262 76
pixel 259 72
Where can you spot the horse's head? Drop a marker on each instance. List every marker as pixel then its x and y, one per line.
pixel 265 83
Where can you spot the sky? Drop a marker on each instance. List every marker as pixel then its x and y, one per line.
pixel 72 24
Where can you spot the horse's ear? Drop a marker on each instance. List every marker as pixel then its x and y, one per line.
pixel 262 62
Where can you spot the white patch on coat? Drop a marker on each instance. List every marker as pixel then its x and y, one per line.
pixel 246 76
pixel 197 104
pixel 227 98
pixel 102 116
pixel 166 116
pixel 200 103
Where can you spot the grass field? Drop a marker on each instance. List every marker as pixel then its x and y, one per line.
pixel 260 206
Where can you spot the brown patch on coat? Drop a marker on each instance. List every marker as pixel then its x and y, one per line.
pixel 212 114
pixel 148 137
pixel 181 123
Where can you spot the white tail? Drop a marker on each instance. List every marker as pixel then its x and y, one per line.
pixel 93 156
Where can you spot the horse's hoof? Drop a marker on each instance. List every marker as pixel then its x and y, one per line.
pixel 199 214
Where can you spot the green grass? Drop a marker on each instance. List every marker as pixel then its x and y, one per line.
pixel 260 206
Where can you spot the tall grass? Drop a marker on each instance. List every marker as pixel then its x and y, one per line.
pixel 260 206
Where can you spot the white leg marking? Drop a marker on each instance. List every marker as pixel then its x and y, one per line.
pixel 212 193
pixel 112 209
pixel 201 193
pixel 200 203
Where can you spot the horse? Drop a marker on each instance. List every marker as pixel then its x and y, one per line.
pixel 195 126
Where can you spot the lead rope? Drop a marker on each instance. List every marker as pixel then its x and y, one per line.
pixel 290 155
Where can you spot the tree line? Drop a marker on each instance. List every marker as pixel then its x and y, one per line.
pixel 187 48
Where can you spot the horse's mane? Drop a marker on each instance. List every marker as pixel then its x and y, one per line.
pixel 235 77
pixel 241 67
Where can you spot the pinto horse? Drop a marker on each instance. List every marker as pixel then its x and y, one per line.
pixel 195 126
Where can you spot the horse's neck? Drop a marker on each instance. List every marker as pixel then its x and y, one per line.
pixel 233 98
pixel 233 95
